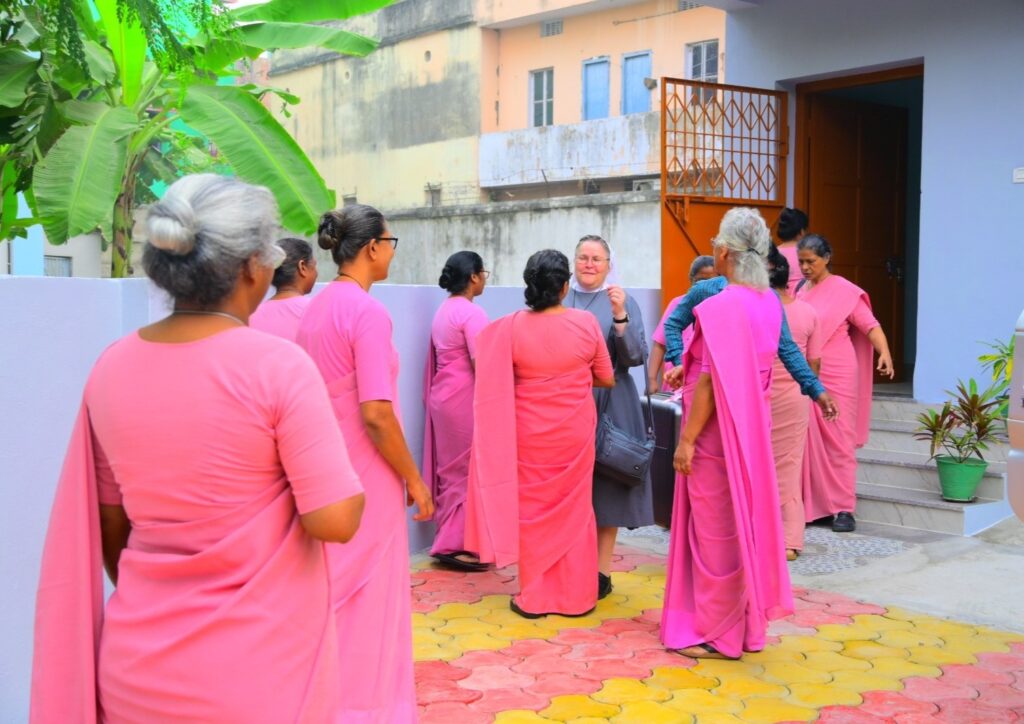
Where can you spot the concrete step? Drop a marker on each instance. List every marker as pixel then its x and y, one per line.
pixel 898 436
pixel 924 510
pixel 891 407
pixel 914 471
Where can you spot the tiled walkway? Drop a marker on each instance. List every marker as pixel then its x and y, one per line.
pixel 834 660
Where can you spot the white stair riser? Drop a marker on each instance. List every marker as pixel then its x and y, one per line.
pixel 907 515
pixel 905 442
pixel 898 476
pixel 896 410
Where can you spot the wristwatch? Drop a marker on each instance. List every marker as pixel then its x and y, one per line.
pixel 621 321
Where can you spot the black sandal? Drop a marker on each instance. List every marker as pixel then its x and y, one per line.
pixel 526 614
pixel 704 651
pixel 452 560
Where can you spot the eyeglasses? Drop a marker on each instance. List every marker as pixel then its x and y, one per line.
pixel 485 274
pixel 392 239
pixel 595 259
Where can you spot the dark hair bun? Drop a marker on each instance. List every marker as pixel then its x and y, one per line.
pixel 791 223
pixel 459 270
pixel 345 231
pixel 545 275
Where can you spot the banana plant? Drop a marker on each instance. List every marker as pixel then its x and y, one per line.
pixel 87 134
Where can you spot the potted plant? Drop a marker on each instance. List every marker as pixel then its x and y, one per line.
pixel 963 429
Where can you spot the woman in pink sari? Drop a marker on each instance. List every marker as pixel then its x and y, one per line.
pixel 348 334
pixel 791 228
pixel 205 470
pixel 448 395
pixel 850 334
pixel 726 573
pixel 703 267
pixel 293 281
pixel 532 463
pixel 790 409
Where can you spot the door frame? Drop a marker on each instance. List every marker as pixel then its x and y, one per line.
pixel 801 158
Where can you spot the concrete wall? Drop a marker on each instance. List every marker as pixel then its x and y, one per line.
pixel 53 330
pixel 506 234
pixel 971 212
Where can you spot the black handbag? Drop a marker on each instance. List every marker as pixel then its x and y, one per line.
pixel 620 455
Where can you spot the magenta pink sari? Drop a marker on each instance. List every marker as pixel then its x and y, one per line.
pixel 726 573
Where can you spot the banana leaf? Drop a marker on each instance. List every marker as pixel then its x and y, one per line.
pixel 307 11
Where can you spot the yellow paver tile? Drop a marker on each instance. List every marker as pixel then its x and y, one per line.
pixel 672 678
pixel 574 706
pixel 772 654
pixel 456 610
pixel 940 656
pixel 624 610
pixel 496 602
pixel 700 703
pixel 901 614
pixel 861 681
pixel 520 716
pixel 942 628
pixel 847 632
pixel 519 631
pixel 831 661
pixel 902 668
pixel 420 621
pixel 805 644
pixel 722 669
pixel 433 652
pixel 648 712
pixel 500 617
pixel 873 650
pixel 426 636
pixel 742 687
pixel 788 672
pixel 459 626
pixel 622 691
pixel 557 623
pixel 587 720
pixel 977 644
pixel 643 602
pixel 649 569
pixel 906 639
pixel 816 696
pixel 1006 636
pixel 881 623
pixel 715 718
pixel 475 642
pixel 769 710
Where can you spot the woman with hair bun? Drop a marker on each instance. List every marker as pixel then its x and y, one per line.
pixel 791 228
pixel 532 462
pixel 448 397
pixel 293 281
pixel 348 334
pixel 204 471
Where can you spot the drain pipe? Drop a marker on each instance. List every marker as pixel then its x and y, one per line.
pixel 1015 424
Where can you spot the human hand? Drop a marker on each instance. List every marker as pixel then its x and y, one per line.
pixel 653 386
pixel 417 492
pixel 885 367
pixel 829 409
pixel 617 296
pixel 682 461
pixel 674 378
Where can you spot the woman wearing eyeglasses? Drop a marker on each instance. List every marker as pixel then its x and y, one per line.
pixel 348 334
pixel 448 397
pixel 622 325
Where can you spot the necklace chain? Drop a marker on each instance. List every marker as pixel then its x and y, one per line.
pixel 349 276
pixel 210 313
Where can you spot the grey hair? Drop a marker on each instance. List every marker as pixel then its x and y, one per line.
pixel 744 233
pixel 201 233
pixel 596 239
pixel 699 264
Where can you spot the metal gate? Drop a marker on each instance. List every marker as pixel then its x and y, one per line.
pixel 721 146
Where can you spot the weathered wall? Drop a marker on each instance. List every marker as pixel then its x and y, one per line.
pixel 506 234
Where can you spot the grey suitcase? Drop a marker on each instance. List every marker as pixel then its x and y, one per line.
pixel 667 416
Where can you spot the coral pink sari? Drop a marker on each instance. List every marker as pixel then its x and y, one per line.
pixel 829 478
pixel 280 317
pixel 448 398
pixel 726 573
pixel 532 464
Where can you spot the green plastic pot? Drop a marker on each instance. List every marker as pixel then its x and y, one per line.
pixel 958 479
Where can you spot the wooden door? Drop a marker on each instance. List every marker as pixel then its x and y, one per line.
pixel 856 198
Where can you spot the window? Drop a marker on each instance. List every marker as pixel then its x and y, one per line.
pixel 349 200
pixel 551 27
pixel 57 266
pixel 542 94
pixel 702 61
pixel 636 96
pixel 686 5
pixel 596 76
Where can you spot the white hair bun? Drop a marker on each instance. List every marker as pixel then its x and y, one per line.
pixel 171 224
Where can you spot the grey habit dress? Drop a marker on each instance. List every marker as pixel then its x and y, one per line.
pixel 616 504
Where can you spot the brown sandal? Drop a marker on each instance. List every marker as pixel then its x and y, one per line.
pixel 705 651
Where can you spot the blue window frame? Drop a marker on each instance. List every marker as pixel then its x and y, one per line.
pixel 596 81
pixel 636 97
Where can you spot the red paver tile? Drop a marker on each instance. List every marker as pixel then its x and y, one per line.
pixel 651 615
pixel 893 704
pixel 811 618
pixel 446 713
pixel 593 652
pixel 611 669
pixel 489 678
pixel 848 715
pixel 1000 696
pixel 552 685
pixel 473 659
pixel 537 647
pixel 539 666
pixel 1017 647
pixel 432 574
pixel 424 606
pixel 927 689
pixel 652 658
pixel 799 591
pixel 629 642
pixel 503 699
pixel 826 597
pixel 576 636
pixel 802 604
pixel 438 670
pixel 1002 662
pixel 432 692
pixel 853 608
pixel 621 625
pixel 962 711
pixel 974 675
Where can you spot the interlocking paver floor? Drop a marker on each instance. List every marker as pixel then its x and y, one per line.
pixel 834 660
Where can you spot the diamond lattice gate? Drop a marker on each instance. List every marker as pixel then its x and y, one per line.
pixel 721 146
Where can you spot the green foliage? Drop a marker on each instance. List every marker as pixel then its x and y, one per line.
pixel 999 362
pixel 965 425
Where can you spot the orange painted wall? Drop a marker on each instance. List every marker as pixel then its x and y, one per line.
pixel 653 26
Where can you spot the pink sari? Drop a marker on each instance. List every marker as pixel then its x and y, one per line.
pixel 448 398
pixel 532 463
pixel 280 317
pixel 829 477
pixel 726 573
pixel 792 256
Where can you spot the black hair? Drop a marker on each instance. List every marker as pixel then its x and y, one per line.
pixel 545 275
pixel 699 264
pixel 791 223
pixel 347 230
pixel 778 268
pixel 816 243
pixel 295 250
pixel 458 270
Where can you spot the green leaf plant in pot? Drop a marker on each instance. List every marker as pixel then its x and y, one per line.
pixel 963 429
